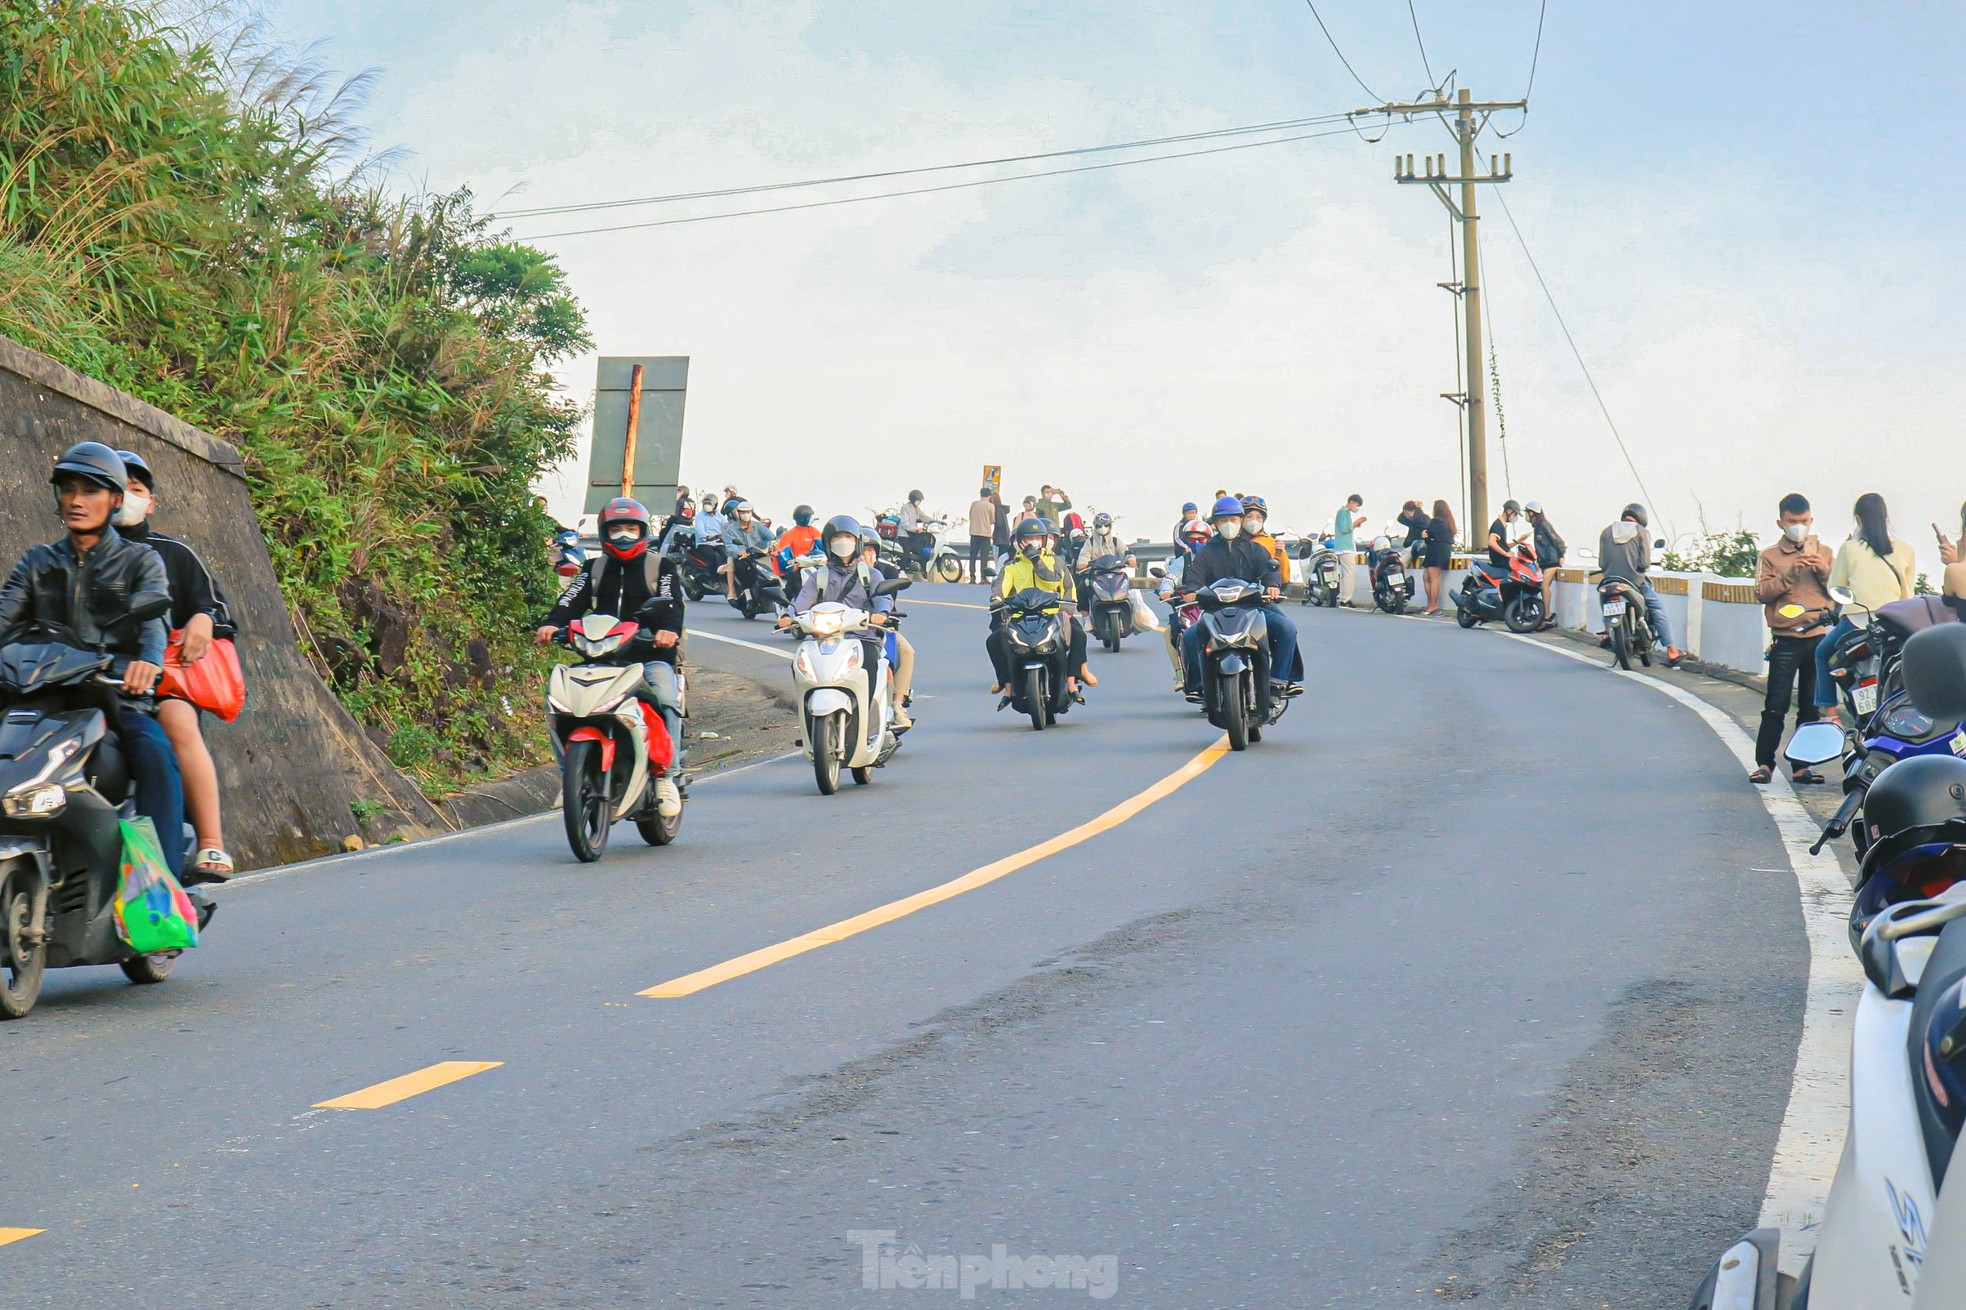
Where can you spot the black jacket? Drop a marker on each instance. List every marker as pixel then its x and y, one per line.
pixel 193 588
pixel 1241 558
pixel 1550 545
pixel 91 595
pixel 610 586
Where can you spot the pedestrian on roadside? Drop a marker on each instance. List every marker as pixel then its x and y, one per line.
pixel 1953 555
pixel 1053 504
pixel 1793 571
pixel 1000 536
pixel 1878 569
pixel 1028 512
pixel 1344 541
pixel 1413 517
pixel 1440 552
pixel 1550 550
pixel 982 532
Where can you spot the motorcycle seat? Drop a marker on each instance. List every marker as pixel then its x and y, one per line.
pixel 1946 966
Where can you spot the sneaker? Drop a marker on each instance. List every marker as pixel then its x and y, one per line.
pixel 668 801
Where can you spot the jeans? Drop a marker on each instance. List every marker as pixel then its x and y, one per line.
pixel 981 555
pixel 159 787
pixel 1283 648
pixel 1655 613
pixel 1825 685
pixel 1791 666
pixel 660 675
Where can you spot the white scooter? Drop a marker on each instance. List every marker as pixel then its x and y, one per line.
pixel 846 724
pixel 611 746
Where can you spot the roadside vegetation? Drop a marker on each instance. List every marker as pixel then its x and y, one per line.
pixel 187 215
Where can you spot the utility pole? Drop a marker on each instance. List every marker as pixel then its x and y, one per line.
pixel 1470 116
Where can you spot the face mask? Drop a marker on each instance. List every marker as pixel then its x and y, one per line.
pixel 1033 549
pixel 1230 529
pixel 844 547
pixel 624 536
pixel 1254 527
pixel 136 508
pixel 1795 532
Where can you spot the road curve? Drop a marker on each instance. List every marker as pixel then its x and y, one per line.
pixel 1480 978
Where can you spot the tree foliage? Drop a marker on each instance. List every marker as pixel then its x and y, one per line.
pixel 180 218
pixel 1733 554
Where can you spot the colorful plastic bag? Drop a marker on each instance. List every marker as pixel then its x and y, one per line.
pixel 153 913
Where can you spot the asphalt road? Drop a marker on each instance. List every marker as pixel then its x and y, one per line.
pixel 1480 979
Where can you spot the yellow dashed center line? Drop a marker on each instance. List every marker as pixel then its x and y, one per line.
pixel 767 956
pixel 410 1084
pixel 18 1234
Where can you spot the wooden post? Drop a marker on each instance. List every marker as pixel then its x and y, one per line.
pixel 634 429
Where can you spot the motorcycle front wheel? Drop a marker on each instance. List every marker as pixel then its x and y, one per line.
pixel 1037 697
pixel 24 966
pixel 825 737
pixel 1523 613
pixel 1109 633
pixel 584 802
pixel 1235 716
pixel 949 569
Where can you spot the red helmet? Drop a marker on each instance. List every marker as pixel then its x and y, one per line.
pixel 616 515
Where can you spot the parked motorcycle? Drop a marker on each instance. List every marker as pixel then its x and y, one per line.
pixel 936 558
pixel 64 787
pixel 611 745
pixel 1512 592
pixel 848 723
pixel 1237 694
pixel 1110 588
pixel 1321 577
pixel 1039 655
pixel 1392 585
pixel 1627 622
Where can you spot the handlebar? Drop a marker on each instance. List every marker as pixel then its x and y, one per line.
pixel 1839 822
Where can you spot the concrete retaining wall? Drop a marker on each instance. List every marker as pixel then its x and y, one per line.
pixel 295 760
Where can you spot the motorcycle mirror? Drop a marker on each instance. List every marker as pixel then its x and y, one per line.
pixel 1156 571
pixel 1935 671
pixel 1658 543
pixel 1814 743
pixel 892 585
pixel 1842 596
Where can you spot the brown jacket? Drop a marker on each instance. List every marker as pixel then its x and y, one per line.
pixel 982 517
pixel 1794 575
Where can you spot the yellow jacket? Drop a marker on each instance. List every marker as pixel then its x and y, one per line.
pixel 1045 573
pixel 1269 543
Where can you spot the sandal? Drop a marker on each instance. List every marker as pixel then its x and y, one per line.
pixel 1806 777
pixel 1761 777
pixel 211 864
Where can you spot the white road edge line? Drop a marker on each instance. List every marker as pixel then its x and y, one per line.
pixel 1818 1112
pixel 739 641
pixel 424 843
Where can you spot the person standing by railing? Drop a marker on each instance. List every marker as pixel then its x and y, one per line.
pixel 1550 549
pixel 1878 569
pixel 1440 552
pixel 1794 571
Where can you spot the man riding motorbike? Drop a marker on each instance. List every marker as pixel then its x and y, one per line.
pixel 917 542
pixel 1102 542
pixel 627 578
pixel 90 583
pixel 1031 565
pixel 795 543
pixel 1624 553
pixel 1230 555
pixel 198 610
pixel 849 580
pixel 747 544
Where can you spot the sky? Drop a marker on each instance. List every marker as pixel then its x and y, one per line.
pixel 1746 215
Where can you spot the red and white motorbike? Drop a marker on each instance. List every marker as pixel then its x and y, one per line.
pixel 614 750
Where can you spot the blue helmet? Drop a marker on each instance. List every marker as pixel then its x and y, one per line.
pixel 1226 508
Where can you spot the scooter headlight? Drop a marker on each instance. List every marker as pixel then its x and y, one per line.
pixel 554 704
pixel 37 802
pixel 830 623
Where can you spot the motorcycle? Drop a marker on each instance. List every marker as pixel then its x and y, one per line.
pixel 569 556
pixel 848 724
pixel 610 744
pixel 1626 622
pixel 930 557
pixel 1321 577
pixel 1109 588
pixel 700 564
pixel 1034 631
pixel 1512 592
pixel 1392 585
pixel 1237 693
pixel 64 788
pixel 758 589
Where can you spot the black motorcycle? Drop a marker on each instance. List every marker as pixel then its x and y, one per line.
pixel 1235 657
pixel 1625 619
pixel 700 566
pixel 1392 585
pixel 1034 633
pixel 63 784
pixel 1108 588
pixel 1320 576
pixel 758 588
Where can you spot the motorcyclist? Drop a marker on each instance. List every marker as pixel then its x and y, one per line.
pixel 1624 553
pixel 1030 565
pixel 795 543
pixel 917 537
pixel 199 611
pixel 1505 533
pixel 1256 526
pixel 1187 526
pixel 904 650
pixel 1103 540
pixel 850 581
pixel 747 545
pixel 1230 555
pixel 709 523
pixel 91 582
pixel 633 582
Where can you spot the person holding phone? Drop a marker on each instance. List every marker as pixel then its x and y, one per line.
pixel 1953 555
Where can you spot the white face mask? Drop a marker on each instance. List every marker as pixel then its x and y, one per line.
pixel 1795 532
pixel 1229 528
pixel 843 547
pixel 1254 527
pixel 136 508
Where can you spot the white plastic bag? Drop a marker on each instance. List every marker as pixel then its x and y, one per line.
pixel 1146 617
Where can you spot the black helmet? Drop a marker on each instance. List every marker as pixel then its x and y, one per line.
pixel 1031 528
pixel 94 461
pixel 841 525
pixel 1516 506
pixel 1913 803
pixel 914 497
pixel 138 468
pixel 1636 513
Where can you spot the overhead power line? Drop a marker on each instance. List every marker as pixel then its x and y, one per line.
pixel 947 186
pixel 1420 41
pixel 1341 54
pixel 1537 54
pixel 888 174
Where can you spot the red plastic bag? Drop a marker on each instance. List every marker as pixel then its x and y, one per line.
pixel 662 747
pixel 216 683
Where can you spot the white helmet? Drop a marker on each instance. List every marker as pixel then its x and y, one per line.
pixel 1533 507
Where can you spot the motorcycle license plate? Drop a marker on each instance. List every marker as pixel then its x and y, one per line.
pixel 1613 608
pixel 1864 698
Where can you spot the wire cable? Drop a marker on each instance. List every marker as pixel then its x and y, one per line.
pixel 932 190
pixel 1494 372
pixel 1414 14
pixel 1537 54
pixel 1341 54
pixel 590 206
